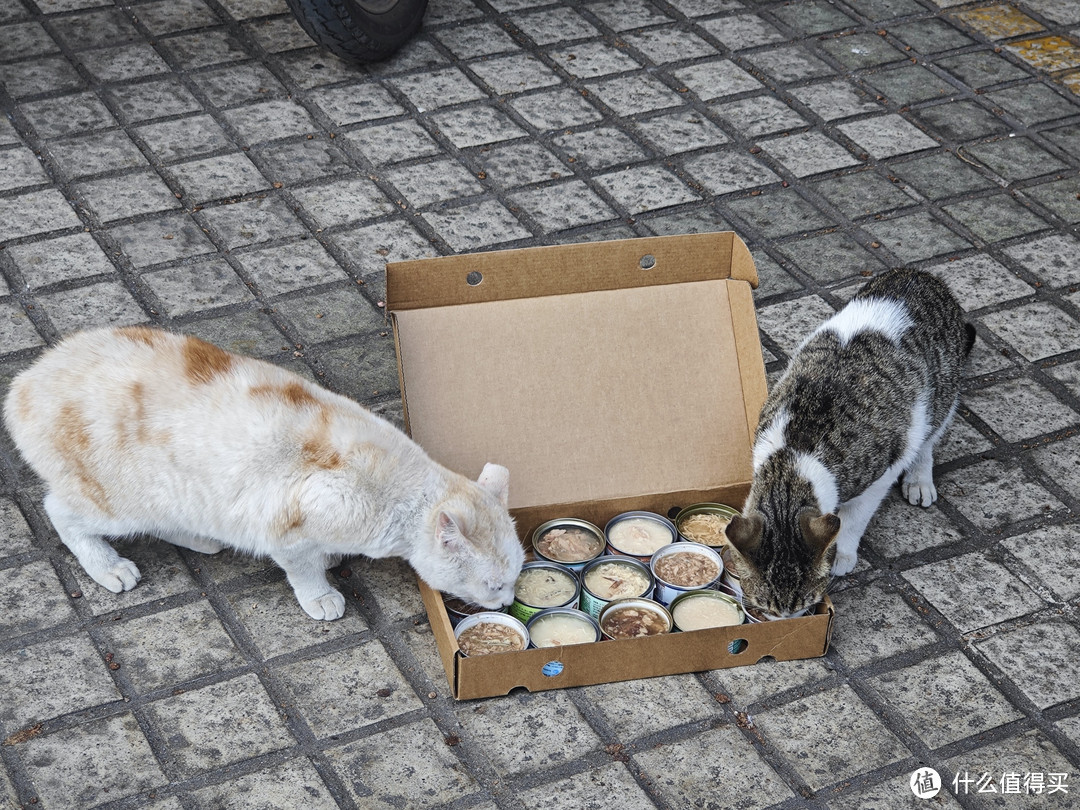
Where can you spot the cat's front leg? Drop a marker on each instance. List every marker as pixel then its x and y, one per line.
pixel 84 538
pixel 305 568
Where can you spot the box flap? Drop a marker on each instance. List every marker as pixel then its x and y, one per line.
pixel 588 395
pixel 563 269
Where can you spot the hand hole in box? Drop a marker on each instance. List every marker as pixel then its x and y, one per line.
pixel 474 278
pixel 738 646
pixel 648 262
pixel 552 668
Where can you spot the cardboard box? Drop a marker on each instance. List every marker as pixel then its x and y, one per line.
pixel 607 377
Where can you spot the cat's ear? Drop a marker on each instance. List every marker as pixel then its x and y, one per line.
pixel 745 533
pixel 819 532
pixel 448 532
pixel 496 480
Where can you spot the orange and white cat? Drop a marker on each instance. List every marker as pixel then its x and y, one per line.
pixel 140 431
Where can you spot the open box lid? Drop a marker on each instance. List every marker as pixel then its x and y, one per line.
pixel 597 373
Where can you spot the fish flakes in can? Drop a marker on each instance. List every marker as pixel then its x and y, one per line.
pixel 543 585
pixel 568 541
pixel 613 577
pixel 634 618
pixel 683 567
pixel 490 632
pixel 705 523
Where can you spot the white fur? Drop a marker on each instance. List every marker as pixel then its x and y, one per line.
pixel 823 481
pixel 771 439
pixel 130 441
pixel 855 514
pixel 885 315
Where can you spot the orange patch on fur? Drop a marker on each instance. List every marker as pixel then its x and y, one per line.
pixel 204 361
pixel 291 518
pixel 292 393
pixel 72 440
pixel 142 334
pixel 319 453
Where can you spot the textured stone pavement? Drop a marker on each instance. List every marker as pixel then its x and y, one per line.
pixel 199 165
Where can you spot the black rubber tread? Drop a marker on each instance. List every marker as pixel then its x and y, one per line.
pixel 349 31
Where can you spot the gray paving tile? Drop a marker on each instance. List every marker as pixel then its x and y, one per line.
pixel 991 494
pixel 152 100
pixel 94 29
pixel 887 136
pixel 1022 756
pixel 982 69
pixel 269 120
pixel 474 126
pixel 721 172
pixel 779 212
pixel 636 709
pixel 35 212
pixel 97 762
pixel 1015 158
pixel 840 716
pixel 832 257
pixel 31 599
pixel 44 75
pixel 930 36
pixel 331 314
pixel 861 50
pixel 689 774
pixel 353 104
pixel 556 109
pixel 681 131
pixel 875 622
pixel 961 121
pixel 427 183
pixel 26 39
pixel 392 143
pixel 81 156
pixel 164 574
pixel 600 148
pixel 176 645
pixel 980 281
pixel 291 267
pixel 295 162
pixel 553 25
pixel 368 373
pixel 123 63
pixel 917 236
pixel 20 168
pixel 295 783
pixel 941 175
pixel 740 31
pixel 201 49
pixel 716 79
pixel 1033 103
pixel 835 99
pixel 1060 332
pixel 410 766
pixel 593 788
pixel 18 537
pixel 623 15
pixel 129 195
pixel 789 322
pixel 646 189
pixel 562 206
pixel 43 681
pixel 790 63
pixel 808 153
pixel 813 17
pixel 438 88
pixel 561 729
pixel 478 39
pixel 217 725
pixel 194 287
pixel 213 178
pixel 630 95
pixel 892 794
pixel 1031 410
pixel 236 84
pixel 861 193
pixel 993 219
pixel 476 225
pixel 760 115
pixel 945 699
pixel 107 303
pixel 1059 196
pixel 169 18
pixel 1048 552
pixel 369 248
pixel 16 329
pixel 672 44
pixel 1039 659
pixel 249 222
pixel 899 529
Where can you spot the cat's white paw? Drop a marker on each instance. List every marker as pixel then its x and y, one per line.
pixel 123 575
pixel 844 564
pixel 919 491
pixel 329 606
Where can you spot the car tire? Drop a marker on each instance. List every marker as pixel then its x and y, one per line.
pixel 360 30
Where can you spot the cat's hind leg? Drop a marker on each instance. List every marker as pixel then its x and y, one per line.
pixel 83 537
pixel 306 570
pixel 918 482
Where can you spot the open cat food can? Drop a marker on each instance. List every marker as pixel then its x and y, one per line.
pixel 458 609
pixel 705 523
pixel 639 534
pixel 490 632
pixel 568 541
pixel 729 579
pixel 683 567
pixel 543 585
pixel 634 618
pixel 556 627
pixel 612 577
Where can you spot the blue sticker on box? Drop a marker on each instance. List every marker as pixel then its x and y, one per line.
pixel 552 668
